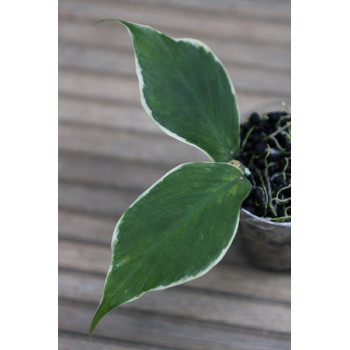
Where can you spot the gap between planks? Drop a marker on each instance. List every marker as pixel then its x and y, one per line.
pixel 68 340
pixel 245 80
pixel 116 174
pixel 109 85
pixel 127 145
pixel 239 56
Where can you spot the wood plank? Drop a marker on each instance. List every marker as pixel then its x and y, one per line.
pixel 102 201
pixel 100 114
pixel 223 27
pixel 244 280
pixel 110 63
pixel 120 174
pixel 125 91
pixel 87 228
pixel 89 85
pixel 108 37
pixel 165 331
pixel 125 145
pixel 183 302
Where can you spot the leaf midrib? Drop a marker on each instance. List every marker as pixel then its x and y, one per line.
pixel 183 222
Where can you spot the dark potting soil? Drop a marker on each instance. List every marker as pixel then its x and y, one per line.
pixel 266 152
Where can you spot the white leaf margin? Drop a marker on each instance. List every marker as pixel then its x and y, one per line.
pixel 186 278
pixel 197 44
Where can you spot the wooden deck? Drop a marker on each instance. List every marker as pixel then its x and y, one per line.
pixel 110 151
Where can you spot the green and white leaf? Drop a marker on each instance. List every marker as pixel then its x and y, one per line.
pixel 174 232
pixel 185 89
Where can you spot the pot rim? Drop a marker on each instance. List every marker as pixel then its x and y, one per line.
pixel 260 106
pixel 266 221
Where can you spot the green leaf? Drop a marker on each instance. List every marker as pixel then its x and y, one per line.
pixel 176 231
pixel 185 89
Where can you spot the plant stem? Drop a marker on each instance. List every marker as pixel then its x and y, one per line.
pixel 267 176
pixel 246 137
pixel 277 144
pixel 276 132
pixel 285 168
pixel 282 189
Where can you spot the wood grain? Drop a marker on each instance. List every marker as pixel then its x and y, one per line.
pixel 110 151
pixel 160 330
pixel 99 114
pixel 108 172
pixel 127 145
pixel 99 200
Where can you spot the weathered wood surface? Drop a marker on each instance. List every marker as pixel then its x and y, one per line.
pixel 110 152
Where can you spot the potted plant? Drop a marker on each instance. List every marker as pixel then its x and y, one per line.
pixel 183 225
